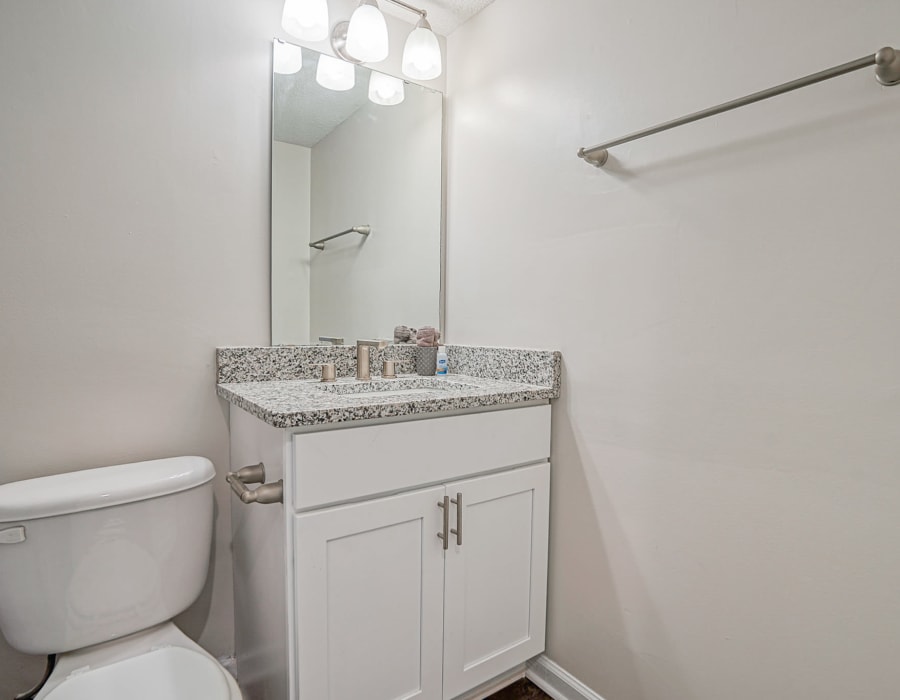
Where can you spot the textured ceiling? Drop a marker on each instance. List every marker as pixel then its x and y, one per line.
pixel 305 112
pixel 444 15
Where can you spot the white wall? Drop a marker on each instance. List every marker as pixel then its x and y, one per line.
pixel 134 238
pixel 290 243
pixel 726 497
pixel 380 167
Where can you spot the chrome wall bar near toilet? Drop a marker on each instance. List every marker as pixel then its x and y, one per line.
pixel 364 230
pixel 887 72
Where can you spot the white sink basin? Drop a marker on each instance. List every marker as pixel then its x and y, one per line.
pixel 388 387
pixel 396 392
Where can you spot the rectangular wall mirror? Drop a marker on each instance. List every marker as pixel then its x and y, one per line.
pixel 366 158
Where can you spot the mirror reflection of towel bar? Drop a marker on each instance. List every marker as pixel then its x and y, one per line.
pixel 364 230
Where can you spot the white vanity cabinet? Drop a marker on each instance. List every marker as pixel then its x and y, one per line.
pixel 495 583
pixel 369 600
pixel 361 597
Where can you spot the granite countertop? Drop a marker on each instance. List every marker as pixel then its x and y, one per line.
pixel 289 404
pixel 277 385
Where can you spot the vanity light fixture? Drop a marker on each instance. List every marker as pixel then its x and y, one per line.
pixel 335 74
pixel 367 34
pixel 385 89
pixel 288 58
pixel 422 53
pixel 306 19
pixel 364 39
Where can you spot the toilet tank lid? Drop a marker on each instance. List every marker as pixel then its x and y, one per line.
pixel 102 487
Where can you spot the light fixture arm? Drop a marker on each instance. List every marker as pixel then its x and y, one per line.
pixel 404 5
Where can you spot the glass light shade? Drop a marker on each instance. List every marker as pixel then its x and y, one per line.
pixel 367 34
pixel 422 53
pixel 288 58
pixel 334 74
pixel 306 19
pixel 385 90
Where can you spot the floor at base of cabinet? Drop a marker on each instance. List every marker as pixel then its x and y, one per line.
pixel 520 690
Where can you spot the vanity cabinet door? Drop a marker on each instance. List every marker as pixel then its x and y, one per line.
pixel 496 580
pixel 368 599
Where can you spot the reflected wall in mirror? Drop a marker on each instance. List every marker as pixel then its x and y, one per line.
pixel 339 161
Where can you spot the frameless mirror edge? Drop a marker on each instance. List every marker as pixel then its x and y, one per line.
pixel 442 266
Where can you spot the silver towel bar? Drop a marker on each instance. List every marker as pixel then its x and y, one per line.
pixel 887 72
pixel 255 474
pixel 364 230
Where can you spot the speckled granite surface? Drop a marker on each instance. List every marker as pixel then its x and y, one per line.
pixel 541 367
pixel 279 385
pixel 259 364
pixel 266 364
pixel 289 404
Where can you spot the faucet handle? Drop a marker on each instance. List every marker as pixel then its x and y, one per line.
pixel 328 371
pixel 389 369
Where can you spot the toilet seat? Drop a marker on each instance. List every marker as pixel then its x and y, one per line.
pixel 158 664
pixel 172 673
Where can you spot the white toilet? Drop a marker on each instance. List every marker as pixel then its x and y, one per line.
pixel 93 566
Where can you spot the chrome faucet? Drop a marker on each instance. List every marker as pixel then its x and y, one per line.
pixel 362 356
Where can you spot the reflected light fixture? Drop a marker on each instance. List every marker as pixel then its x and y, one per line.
pixel 385 89
pixel 335 74
pixel 306 19
pixel 364 39
pixel 288 58
pixel 367 34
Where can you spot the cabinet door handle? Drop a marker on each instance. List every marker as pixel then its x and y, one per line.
pixel 459 515
pixel 445 505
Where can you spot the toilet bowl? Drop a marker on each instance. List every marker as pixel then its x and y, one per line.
pixel 94 565
pixel 157 664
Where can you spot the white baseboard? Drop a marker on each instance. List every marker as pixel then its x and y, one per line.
pixel 558 683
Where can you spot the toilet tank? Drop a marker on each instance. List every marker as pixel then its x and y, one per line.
pixel 92 555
